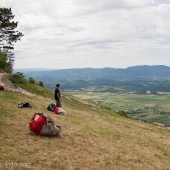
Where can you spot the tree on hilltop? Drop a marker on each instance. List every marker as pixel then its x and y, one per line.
pixel 8 34
pixel 4 66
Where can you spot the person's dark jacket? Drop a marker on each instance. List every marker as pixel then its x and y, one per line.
pixel 57 93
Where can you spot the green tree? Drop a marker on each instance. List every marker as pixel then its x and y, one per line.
pixel 8 34
pixel 31 80
pixel 18 78
pixel 4 66
pixel 41 84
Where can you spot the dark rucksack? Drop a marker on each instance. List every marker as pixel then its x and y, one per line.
pixel 23 104
pixel 51 107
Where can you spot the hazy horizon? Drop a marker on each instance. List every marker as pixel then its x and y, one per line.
pixel 85 67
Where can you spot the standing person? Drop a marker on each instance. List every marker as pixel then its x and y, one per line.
pixel 58 95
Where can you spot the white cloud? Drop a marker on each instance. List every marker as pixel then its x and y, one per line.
pixel 98 33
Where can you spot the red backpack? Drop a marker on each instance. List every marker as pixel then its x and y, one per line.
pixel 56 110
pixel 37 122
pixel 1 87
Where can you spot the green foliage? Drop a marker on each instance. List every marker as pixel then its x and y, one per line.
pixel 4 65
pixel 8 35
pixel 122 113
pixel 31 80
pixel 30 85
pixel 18 78
pixel 41 84
pixel 36 89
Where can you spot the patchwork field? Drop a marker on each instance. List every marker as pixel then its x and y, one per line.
pixel 149 108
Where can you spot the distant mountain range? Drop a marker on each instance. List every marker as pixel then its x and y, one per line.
pixel 145 72
pixel 137 79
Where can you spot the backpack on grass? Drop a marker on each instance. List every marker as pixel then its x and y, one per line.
pixel 58 110
pixel 23 104
pixel 1 87
pixel 37 122
pixel 51 107
pixel 43 125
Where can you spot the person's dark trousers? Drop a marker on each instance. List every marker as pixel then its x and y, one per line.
pixel 58 103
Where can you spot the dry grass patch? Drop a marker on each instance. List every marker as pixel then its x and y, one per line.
pixel 93 139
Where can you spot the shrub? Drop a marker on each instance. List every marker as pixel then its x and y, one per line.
pixel 122 113
pixel 18 78
pixel 41 84
pixel 31 80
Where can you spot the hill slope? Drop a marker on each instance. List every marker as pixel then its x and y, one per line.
pixel 94 138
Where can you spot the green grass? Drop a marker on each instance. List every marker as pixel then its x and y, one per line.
pixel 163 119
pixel 36 89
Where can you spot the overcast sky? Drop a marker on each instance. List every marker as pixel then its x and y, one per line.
pixel 91 33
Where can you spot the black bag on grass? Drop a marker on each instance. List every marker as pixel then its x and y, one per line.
pixel 23 104
pixel 51 107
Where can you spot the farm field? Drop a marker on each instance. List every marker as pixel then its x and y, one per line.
pixel 148 108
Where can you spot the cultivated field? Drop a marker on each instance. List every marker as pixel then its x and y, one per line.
pixel 150 108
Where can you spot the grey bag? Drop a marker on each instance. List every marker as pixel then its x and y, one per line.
pixel 50 129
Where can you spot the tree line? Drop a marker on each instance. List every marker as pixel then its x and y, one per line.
pixel 19 78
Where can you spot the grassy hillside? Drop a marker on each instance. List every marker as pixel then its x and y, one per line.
pixel 93 138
